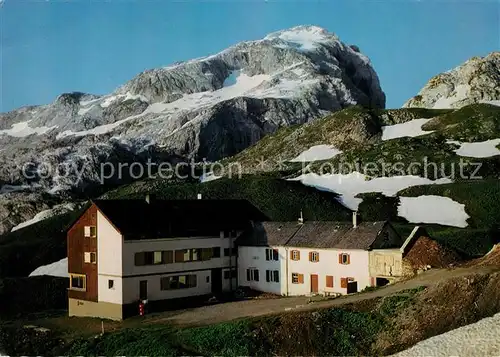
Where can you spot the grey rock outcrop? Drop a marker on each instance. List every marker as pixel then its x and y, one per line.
pixel 477 80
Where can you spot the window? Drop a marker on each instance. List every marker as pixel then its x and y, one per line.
pixel 157 258
pixel 252 274
pixel 192 255
pixel 344 258
pixel 111 284
pixel 295 255
pixel 297 278
pixel 77 282
pixel 216 252
pixel 154 258
pixel 228 274
pixel 90 231
pixel 178 282
pixel 314 257
pixel 329 281
pixel 89 257
pixel 272 254
pixel 344 282
pixel 272 276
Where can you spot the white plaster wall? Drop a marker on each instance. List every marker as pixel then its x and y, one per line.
pixel 113 295
pixel 386 263
pixel 109 260
pixel 255 257
pixel 131 287
pixel 132 247
pixel 328 265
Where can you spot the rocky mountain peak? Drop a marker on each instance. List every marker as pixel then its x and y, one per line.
pixel 210 107
pixel 476 80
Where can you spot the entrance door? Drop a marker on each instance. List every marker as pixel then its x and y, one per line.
pixel 352 287
pixel 143 289
pixel 216 280
pixel 314 283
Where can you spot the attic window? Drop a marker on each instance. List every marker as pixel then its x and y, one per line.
pixel 90 231
pixel 344 259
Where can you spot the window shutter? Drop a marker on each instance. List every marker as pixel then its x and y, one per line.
pixel 179 256
pixel 343 283
pixel 248 274
pixel 310 256
pixel 298 254
pixel 275 254
pixel 301 278
pixel 168 257
pixel 206 253
pixel 317 256
pixel 86 257
pixel 340 258
pixel 139 259
pixel 192 281
pixel 329 281
pixel 291 254
pixel 86 231
pixel 276 276
pixel 256 275
pixel 348 259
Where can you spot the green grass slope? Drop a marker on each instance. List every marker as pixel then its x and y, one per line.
pixel 41 243
pixel 279 199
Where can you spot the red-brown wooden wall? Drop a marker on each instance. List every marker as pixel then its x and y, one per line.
pixel 77 245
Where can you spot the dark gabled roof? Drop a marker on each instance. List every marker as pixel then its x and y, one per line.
pixel 335 235
pixel 321 235
pixel 138 219
pixel 269 233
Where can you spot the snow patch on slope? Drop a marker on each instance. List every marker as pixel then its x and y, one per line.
pixel 22 129
pixel 238 85
pixel 479 149
pixel 54 211
pixel 59 268
pixel 210 176
pixel 475 340
pixel 305 38
pixel 492 102
pixel 433 209
pixel 412 128
pixel 317 152
pixel 350 185
pixel 460 93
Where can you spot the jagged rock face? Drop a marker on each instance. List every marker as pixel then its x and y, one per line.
pixel 475 81
pixel 210 108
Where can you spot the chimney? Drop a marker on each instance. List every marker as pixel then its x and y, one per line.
pixel 354 219
pixel 301 218
pixel 199 196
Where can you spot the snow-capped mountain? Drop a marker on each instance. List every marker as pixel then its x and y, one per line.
pixel 208 107
pixel 477 80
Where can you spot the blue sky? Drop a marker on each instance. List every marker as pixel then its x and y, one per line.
pixel 51 47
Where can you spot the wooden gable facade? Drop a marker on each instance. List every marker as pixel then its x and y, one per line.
pixel 78 244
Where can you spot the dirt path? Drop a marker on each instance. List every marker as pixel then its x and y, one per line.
pixel 234 310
